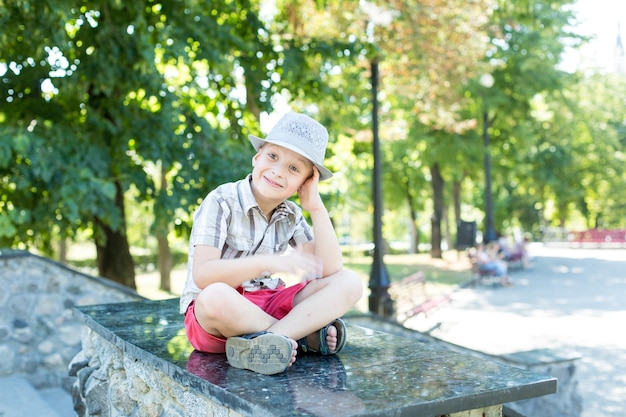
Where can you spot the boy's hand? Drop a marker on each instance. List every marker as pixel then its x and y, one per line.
pixel 309 195
pixel 301 264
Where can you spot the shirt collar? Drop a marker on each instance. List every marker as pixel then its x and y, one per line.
pixel 248 202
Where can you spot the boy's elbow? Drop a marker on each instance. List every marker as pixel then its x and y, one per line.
pixel 202 275
pixel 333 269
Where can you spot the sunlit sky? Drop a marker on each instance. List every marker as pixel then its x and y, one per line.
pixel 600 18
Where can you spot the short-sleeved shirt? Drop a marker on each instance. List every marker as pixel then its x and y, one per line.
pixel 230 219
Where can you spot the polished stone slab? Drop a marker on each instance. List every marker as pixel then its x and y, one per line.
pixel 376 374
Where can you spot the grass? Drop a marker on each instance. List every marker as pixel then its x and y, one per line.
pixel 442 275
pixel 449 271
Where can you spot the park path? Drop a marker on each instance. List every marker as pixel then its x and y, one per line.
pixel 571 299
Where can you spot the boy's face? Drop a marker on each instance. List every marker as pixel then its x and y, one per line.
pixel 279 172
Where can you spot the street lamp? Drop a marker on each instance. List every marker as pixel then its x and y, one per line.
pixel 380 301
pixel 487 81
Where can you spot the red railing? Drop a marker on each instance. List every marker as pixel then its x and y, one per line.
pixel 599 236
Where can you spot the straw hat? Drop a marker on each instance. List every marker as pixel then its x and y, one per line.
pixel 301 134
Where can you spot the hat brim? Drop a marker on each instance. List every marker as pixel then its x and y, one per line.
pixel 258 142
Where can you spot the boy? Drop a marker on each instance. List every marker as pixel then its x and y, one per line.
pixel 240 237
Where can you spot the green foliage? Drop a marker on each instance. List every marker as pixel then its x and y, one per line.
pixel 102 93
pixel 106 103
pixel 104 97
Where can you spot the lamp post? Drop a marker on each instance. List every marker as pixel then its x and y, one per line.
pixel 486 80
pixel 380 302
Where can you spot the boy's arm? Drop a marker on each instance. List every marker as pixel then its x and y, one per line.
pixel 208 268
pixel 325 246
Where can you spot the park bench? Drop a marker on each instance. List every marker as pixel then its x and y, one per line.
pixel 515 262
pixel 599 237
pixel 480 276
pixel 412 298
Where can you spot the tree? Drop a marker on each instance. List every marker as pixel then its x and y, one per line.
pixel 158 98
pixel 405 180
pixel 579 159
pixel 423 75
pixel 96 93
pixel 527 40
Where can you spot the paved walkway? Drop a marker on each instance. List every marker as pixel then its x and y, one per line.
pixel 571 299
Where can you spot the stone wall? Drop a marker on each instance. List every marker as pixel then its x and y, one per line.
pixel 109 382
pixel 559 364
pixel 39 333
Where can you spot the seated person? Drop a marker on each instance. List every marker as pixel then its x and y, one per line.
pixel 504 248
pixel 488 258
pixel 520 252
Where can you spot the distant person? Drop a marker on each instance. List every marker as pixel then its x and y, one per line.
pixel 504 247
pixel 520 252
pixel 489 259
pixel 245 232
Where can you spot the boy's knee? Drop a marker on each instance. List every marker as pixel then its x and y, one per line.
pixel 353 283
pixel 215 297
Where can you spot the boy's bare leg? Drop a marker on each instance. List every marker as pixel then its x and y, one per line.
pixel 223 312
pixel 319 303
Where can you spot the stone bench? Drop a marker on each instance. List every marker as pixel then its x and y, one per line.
pixel 135 356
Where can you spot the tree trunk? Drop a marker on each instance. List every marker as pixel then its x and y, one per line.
pixel 446 227
pixel 414 243
pixel 165 263
pixel 165 254
pixel 114 259
pixel 63 250
pixel 456 201
pixel 437 184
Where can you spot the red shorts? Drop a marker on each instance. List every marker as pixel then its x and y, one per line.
pixel 277 303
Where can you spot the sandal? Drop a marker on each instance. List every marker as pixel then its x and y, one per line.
pixel 321 346
pixel 263 352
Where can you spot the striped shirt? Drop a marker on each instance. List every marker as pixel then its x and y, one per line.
pixel 230 219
